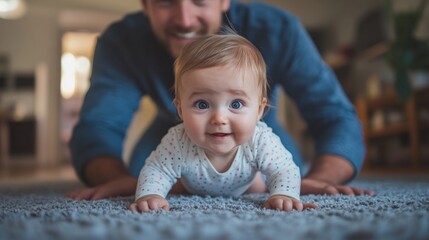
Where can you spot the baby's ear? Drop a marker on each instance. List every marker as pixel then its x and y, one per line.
pixel 178 107
pixel 261 109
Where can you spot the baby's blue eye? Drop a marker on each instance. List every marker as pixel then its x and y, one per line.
pixel 201 104
pixel 236 104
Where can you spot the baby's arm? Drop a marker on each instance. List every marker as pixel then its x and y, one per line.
pixel 160 172
pixel 283 176
pixel 152 187
pixel 149 203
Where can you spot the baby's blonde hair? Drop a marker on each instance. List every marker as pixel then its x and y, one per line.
pixel 221 50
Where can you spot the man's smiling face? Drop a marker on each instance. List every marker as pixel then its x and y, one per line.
pixel 177 22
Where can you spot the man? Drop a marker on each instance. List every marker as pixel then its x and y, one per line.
pixel 134 57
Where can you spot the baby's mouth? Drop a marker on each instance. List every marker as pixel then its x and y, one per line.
pixel 220 134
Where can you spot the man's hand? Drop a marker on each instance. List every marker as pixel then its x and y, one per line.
pixel 149 203
pixel 311 186
pixel 108 177
pixel 285 203
pixel 327 176
pixel 124 186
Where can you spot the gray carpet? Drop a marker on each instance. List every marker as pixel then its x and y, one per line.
pixel 400 210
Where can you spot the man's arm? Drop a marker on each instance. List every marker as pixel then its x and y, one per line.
pixel 330 116
pixel 102 170
pixel 108 108
pixel 331 169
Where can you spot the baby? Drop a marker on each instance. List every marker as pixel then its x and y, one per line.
pixel 221 94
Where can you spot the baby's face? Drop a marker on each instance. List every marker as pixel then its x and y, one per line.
pixel 220 107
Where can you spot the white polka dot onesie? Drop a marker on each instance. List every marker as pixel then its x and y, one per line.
pixel 178 158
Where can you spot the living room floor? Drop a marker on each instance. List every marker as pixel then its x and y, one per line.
pixel 63 172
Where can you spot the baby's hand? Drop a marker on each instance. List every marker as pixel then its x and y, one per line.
pixel 285 203
pixel 149 203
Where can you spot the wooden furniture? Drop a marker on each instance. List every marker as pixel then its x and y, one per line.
pixel 4 140
pixel 17 139
pixel 396 132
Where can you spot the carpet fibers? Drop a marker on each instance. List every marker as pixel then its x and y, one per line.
pixel 399 210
